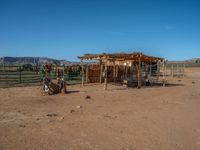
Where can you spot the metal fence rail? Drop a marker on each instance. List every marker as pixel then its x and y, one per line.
pixel 15 76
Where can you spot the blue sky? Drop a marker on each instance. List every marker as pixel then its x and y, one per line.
pixel 67 29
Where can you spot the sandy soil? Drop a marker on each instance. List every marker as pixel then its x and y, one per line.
pixel 156 118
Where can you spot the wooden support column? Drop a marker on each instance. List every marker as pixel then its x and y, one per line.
pixel 172 71
pixel 150 68
pixel 177 70
pixel 82 72
pixel 183 70
pixel 87 73
pixel 126 71
pixel 164 70
pixel 106 76
pixel 158 70
pixel 139 73
pixel 101 71
pixel 63 73
pixel 114 72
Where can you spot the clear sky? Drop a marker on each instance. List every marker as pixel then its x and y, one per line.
pixel 69 28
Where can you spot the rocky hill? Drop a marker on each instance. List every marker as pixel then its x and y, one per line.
pixel 32 60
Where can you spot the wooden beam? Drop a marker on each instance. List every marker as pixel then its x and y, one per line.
pixel 87 73
pixel 139 73
pixel 126 71
pixel 106 76
pixel 158 70
pixel 114 72
pixel 177 70
pixel 101 70
pixel 164 69
pixel 82 73
pixel 150 68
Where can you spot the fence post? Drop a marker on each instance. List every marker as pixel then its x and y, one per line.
pixel 82 73
pixel 63 73
pixel 20 75
pixel 164 69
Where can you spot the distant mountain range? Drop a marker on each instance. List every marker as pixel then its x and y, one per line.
pixel 43 60
pixel 189 61
pixel 33 60
pixel 194 60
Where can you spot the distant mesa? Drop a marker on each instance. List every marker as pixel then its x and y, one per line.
pixel 43 60
pixel 33 60
pixel 194 60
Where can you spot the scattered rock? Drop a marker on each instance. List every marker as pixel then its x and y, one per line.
pixel 88 97
pixel 111 117
pixel 107 116
pixel 179 80
pixel 61 118
pixel 22 125
pixel 52 115
pixel 71 111
pixel 193 82
pixel 78 107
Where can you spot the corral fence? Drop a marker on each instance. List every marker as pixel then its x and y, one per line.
pixel 22 76
pixel 17 76
pixel 178 68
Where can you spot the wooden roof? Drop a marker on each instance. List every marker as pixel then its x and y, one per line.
pixel 135 56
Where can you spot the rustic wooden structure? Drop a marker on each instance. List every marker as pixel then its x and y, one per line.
pixel 128 68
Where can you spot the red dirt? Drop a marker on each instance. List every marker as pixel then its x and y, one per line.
pixel 155 118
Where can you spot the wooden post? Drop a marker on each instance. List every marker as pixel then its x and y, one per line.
pixel 139 73
pixel 114 72
pixel 184 70
pixel 63 73
pixel 3 65
pixel 177 70
pixel 158 70
pixel 106 76
pixel 82 73
pixel 172 71
pixel 164 73
pixel 101 70
pixel 150 68
pixel 87 73
pixel 126 71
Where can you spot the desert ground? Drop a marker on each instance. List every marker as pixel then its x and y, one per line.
pixel 89 118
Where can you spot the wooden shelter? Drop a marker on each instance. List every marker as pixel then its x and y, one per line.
pixel 127 68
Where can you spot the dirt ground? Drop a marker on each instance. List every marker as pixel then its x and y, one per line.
pixel 151 118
